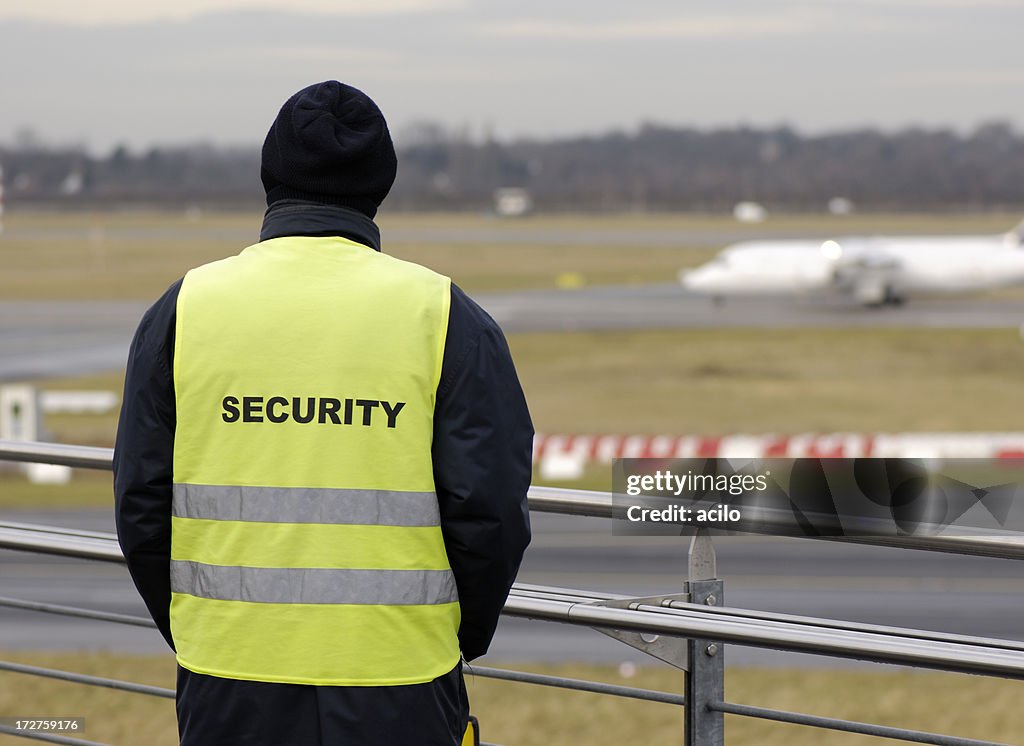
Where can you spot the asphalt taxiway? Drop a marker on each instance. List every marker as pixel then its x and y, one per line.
pixel 898 587
pixel 40 339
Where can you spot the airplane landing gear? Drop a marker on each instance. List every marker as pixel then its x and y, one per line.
pixel 893 297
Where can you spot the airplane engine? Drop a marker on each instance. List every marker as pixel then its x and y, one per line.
pixel 870 291
pixel 877 290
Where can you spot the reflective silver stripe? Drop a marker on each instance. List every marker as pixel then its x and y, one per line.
pixel 279 585
pixel 306 505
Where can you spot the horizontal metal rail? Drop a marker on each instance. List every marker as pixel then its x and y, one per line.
pixel 61 542
pixel 46 737
pixel 892 645
pixel 34 452
pixel 768 617
pixel 81 678
pixel 482 671
pixel 532 591
pixel 896 645
pixel 99 616
pixel 649 695
pixel 579 685
pixel 582 685
pixel 965 654
pixel 846 726
pixel 564 502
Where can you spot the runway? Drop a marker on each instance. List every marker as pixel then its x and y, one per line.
pixel 47 339
pixel 41 339
pixel 672 307
pixel 473 230
pixel 967 595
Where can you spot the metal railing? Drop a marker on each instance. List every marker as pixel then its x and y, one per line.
pixel 687 630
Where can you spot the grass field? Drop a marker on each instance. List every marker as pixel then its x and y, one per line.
pixel 701 381
pixel 707 382
pixel 138 254
pixel 683 381
pixel 686 381
pixel 522 715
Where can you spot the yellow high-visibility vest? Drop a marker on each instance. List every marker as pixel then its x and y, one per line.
pixel 306 544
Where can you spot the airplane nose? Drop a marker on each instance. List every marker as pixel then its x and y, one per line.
pixel 694 279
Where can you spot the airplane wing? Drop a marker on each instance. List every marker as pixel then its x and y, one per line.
pixel 868 272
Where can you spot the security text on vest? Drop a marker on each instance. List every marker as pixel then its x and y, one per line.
pixel 307 409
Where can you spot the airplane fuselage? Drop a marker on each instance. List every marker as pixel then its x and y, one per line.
pixel 872 269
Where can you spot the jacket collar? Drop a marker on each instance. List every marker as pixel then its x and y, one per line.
pixel 294 217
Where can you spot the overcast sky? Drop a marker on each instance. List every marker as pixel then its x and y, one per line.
pixel 170 71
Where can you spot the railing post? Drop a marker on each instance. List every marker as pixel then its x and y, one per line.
pixel 705 676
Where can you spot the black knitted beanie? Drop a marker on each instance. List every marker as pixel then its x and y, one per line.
pixel 329 144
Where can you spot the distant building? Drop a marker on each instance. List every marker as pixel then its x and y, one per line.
pixel 512 202
pixel 840 206
pixel 749 212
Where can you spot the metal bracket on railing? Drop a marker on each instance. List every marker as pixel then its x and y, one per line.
pixel 699 587
pixel 671 650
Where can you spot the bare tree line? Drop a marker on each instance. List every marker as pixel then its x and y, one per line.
pixel 655 168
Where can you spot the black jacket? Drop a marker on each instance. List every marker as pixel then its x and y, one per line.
pixel 482 446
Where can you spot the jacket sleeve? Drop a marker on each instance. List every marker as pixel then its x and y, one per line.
pixel 143 459
pixel 482 454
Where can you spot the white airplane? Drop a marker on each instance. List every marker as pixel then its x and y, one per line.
pixel 874 271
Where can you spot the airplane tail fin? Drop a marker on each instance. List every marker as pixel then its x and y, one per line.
pixel 1017 234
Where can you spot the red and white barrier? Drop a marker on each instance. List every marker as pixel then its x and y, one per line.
pixel 567 454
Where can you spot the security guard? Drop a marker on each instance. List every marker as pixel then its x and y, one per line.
pixel 322 462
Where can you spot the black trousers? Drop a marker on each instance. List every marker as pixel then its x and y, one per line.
pixel 213 711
